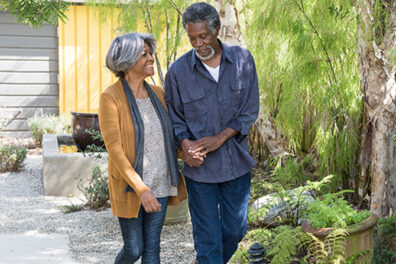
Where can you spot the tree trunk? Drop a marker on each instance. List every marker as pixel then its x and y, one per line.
pixel 230 32
pixel 376 41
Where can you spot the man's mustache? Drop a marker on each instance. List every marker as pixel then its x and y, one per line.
pixel 206 47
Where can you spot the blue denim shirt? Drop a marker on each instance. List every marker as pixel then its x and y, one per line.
pixel 199 107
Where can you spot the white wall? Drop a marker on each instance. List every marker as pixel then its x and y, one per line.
pixel 28 73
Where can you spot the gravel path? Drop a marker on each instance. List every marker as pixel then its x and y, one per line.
pixel 94 237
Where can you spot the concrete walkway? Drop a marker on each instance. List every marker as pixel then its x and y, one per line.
pixel 34 248
pixel 23 214
pixel 34 230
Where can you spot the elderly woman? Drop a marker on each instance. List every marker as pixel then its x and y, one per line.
pixel 138 134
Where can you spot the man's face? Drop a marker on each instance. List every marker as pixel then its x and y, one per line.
pixel 202 39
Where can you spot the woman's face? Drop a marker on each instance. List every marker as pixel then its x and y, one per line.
pixel 145 64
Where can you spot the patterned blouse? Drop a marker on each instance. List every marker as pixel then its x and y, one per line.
pixel 155 166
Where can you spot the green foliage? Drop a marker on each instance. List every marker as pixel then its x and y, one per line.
pixel 330 250
pixel 381 17
pixel 295 202
pixel 161 18
pixel 260 184
pixel 334 211
pixel 72 208
pixel 385 242
pixel 284 245
pixel 309 77
pixel 48 124
pixel 36 12
pixel 97 189
pixel 96 135
pixel 11 158
pixel 290 171
pixel 260 235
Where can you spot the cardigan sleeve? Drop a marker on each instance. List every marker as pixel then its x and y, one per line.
pixel 111 131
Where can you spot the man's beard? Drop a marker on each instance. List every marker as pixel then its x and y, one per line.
pixel 211 54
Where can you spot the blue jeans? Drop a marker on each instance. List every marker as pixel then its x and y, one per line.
pixel 142 236
pixel 219 217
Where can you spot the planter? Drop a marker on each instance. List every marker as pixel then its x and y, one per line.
pixel 63 172
pixel 359 241
pixel 81 122
pixel 177 214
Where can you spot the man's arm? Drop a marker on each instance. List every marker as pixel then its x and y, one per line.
pixel 176 113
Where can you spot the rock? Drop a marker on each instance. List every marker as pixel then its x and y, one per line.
pixel 275 206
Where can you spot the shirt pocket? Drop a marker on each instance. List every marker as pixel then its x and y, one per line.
pixel 239 88
pixel 195 108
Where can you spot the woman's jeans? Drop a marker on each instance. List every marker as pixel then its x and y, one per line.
pixel 141 236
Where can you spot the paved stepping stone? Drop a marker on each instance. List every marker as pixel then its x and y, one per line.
pixel 34 248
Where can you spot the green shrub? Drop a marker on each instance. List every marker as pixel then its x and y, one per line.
pixel 385 241
pixel 48 124
pixel 334 211
pixel 97 189
pixel 11 158
pixel 71 208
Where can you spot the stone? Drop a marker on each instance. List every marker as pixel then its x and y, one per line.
pixel 275 207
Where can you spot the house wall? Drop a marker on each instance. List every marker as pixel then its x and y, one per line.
pixel 28 73
pixel 83 44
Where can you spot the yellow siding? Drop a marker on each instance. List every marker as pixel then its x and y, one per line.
pixel 83 45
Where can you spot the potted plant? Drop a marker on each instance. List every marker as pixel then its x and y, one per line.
pixel 346 233
pixel 325 230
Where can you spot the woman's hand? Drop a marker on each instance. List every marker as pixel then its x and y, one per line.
pixel 149 202
pixel 194 161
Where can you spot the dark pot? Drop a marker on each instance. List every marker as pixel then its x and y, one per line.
pixel 81 122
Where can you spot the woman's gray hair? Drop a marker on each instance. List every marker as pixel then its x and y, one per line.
pixel 200 12
pixel 125 51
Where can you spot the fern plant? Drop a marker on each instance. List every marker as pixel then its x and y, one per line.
pixel 334 211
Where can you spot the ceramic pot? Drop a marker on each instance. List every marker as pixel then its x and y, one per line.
pixel 359 241
pixel 81 122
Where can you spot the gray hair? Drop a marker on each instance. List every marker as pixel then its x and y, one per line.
pixel 200 12
pixel 125 51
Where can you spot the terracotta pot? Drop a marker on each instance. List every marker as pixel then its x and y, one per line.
pixel 81 122
pixel 358 240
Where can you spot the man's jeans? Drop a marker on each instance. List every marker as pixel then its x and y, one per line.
pixel 142 236
pixel 219 217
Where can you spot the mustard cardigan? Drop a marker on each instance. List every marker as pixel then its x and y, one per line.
pixel 117 128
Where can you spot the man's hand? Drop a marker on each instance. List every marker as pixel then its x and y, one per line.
pixel 207 144
pixel 192 159
pixel 149 202
pixel 211 143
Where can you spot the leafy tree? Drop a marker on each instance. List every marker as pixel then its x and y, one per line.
pixel 309 77
pixel 161 18
pixel 36 12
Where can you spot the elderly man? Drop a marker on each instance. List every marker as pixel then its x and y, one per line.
pixel 213 100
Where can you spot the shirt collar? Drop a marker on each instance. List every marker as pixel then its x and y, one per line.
pixel 225 54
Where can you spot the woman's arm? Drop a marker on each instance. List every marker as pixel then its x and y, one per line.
pixel 111 131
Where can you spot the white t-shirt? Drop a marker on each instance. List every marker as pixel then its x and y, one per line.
pixel 213 71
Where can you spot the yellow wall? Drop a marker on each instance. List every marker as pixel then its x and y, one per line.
pixel 83 45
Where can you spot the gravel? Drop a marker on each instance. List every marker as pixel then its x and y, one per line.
pixel 94 237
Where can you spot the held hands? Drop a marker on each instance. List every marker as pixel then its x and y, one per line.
pixel 192 159
pixel 207 144
pixel 193 153
pixel 149 202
